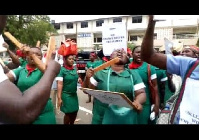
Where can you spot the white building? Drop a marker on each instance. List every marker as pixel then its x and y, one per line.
pixel 87 33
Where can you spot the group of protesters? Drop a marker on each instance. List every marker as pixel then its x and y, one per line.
pixel 26 100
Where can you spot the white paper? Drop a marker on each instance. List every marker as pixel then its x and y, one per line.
pixel 109 98
pixel 189 107
pixel 2 49
pixel 114 36
pixel 168 46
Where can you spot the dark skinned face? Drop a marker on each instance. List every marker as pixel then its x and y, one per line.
pixel 121 54
pixel 70 60
pixel 37 52
pixel 92 57
pixel 188 53
pixel 136 55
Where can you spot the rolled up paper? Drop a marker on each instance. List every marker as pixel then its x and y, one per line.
pixel 50 49
pixel 38 44
pixel 36 60
pixel 107 64
pixel 2 63
pixel 13 39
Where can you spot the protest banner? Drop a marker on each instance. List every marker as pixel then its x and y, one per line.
pixel 114 36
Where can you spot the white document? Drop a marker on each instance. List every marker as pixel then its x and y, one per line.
pixel 168 46
pixel 189 107
pixel 2 49
pixel 114 36
pixel 113 98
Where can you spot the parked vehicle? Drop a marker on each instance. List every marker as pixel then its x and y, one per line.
pixel 81 61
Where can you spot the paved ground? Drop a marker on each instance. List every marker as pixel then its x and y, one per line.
pixel 85 109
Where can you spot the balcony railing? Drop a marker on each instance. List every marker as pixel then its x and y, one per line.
pixel 185 36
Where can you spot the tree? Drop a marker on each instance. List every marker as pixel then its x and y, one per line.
pixel 28 29
pixel 131 46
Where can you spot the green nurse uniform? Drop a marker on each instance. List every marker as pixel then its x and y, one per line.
pixel 109 80
pixel 23 62
pixel 161 77
pixel 47 116
pixel 69 92
pixel 91 64
pixel 144 116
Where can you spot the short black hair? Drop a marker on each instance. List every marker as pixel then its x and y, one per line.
pixel 135 48
pixel 100 54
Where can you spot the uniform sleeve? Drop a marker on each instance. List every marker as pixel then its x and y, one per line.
pixel 137 80
pixel 86 67
pixel 94 80
pixel 153 72
pixel 5 62
pixel 3 77
pixel 60 76
pixel 16 72
pixel 164 76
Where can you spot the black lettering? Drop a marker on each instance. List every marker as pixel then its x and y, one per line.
pixel 195 121
pixel 185 121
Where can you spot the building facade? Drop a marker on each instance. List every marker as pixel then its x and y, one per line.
pixel 88 33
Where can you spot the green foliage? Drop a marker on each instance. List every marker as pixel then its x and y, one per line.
pixel 131 46
pixel 28 29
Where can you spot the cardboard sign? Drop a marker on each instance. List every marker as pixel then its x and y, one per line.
pixel 114 98
pixel 114 36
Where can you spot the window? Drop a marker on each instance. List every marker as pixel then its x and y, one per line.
pixel 155 36
pixel 73 39
pixel 94 39
pixel 69 25
pixel 99 39
pixel 137 19
pixel 84 24
pixel 57 26
pixel 133 38
pixel 117 20
pixel 99 23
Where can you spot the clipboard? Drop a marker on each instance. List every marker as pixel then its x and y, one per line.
pixel 108 97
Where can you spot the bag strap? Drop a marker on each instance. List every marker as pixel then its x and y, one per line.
pixel 178 101
pixel 149 73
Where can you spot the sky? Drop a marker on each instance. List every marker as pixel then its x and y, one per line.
pixel 71 18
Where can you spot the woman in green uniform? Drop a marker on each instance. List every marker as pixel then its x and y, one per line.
pixel 67 96
pixel 91 64
pixel 112 79
pixel 28 76
pixel 141 68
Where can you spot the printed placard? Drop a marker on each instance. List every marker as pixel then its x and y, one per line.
pixel 114 98
pixel 114 36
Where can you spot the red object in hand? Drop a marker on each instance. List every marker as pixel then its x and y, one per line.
pixel 20 53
